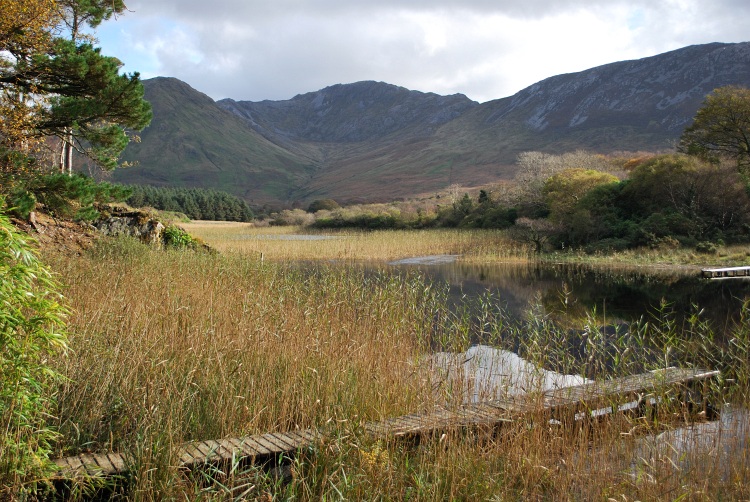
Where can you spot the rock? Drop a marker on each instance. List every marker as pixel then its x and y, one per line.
pixel 134 223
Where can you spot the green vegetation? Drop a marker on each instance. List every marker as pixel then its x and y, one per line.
pixel 176 345
pixel 720 129
pixel 64 196
pixel 32 333
pixel 196 203
pixel 177 238
pixel 55 84
pixel 218 346
pixel 322 204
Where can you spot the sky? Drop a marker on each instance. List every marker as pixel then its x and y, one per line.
pixel 486 49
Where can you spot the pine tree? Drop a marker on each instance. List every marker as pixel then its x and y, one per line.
pixel 53 85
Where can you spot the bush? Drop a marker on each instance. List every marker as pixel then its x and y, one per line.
pixel 32 328
pixel 177 238
pixel 706 247
pixel 322 205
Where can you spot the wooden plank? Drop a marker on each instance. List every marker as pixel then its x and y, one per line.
pixel 281 445
pixel 726 272
pixel 217 450
pixel 118 462
pixel 231 451
pixel 310 436
pixel 204 449
pixel 609 396
pixel 293 442
pixel 92 468
pixel 303 440
pixel 252 442
pixel 73 467
pixel 271 447
pixel 190 455
pixel 104 464
pixel 246 448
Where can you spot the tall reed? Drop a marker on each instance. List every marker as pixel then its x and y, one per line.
pixel 169 347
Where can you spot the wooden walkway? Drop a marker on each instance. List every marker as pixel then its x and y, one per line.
pixel 567 403
pixel 725 273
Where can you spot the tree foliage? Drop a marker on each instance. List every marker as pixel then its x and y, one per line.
pixel 721 128
pixel 53 85
pixel 196 203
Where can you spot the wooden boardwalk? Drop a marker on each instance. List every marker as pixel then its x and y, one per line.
pixel 725 273
pixel 566 403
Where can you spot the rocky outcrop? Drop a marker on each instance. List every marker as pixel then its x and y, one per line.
pixel 131 222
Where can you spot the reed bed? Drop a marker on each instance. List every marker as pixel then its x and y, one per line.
pixel 298 243
pixel 169 347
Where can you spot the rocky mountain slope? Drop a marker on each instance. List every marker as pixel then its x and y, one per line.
pixel 374 141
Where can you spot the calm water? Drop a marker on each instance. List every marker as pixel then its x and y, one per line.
pixel 623 295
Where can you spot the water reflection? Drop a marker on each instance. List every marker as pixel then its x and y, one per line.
pixel 485 373
pixel 619 294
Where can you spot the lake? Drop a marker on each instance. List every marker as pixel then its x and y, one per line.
pixel 620 294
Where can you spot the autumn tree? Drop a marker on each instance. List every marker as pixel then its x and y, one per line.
pixel 535 168
pixel 563 193
pixel 721 128
pixel 683 195
pixel 55 83
pixel 25 29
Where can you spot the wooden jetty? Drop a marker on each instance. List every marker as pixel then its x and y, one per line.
pixel 725 273
pixel 572 403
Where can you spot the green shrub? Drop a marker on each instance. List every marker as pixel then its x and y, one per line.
pixel 706 247
pixel 32 329
pixel 21 202
pixel 177 238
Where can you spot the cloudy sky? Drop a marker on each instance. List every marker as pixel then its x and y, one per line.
pixel 486 49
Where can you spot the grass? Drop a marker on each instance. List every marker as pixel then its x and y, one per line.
pixel 478 246
pixel 172 346
pixel 278 243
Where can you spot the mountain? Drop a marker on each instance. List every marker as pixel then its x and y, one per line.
pixel 363 111
pixel 193 142
pixel 371 141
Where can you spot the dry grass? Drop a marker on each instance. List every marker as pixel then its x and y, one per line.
pixel 285 243
pixel 174 346
pixel 170 347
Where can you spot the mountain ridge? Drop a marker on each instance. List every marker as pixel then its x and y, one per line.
pixel 373 141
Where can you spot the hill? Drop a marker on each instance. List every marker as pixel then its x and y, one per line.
pixel 371 141
pixel 193 142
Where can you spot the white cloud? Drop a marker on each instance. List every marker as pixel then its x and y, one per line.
pixel 483 48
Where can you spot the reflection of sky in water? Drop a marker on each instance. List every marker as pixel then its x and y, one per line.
pixel 285 237
pixel 712 447
pixel 485 373
pixel 620 294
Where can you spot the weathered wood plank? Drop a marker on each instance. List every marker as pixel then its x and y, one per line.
pixel 268 445
pixel 244 448
pixel 567 403
pixel 285 442
pixel 104 464
pixel 118 462
pixel 725 273
pixel 190 454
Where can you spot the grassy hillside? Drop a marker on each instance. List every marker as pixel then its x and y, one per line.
pixel 194 143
